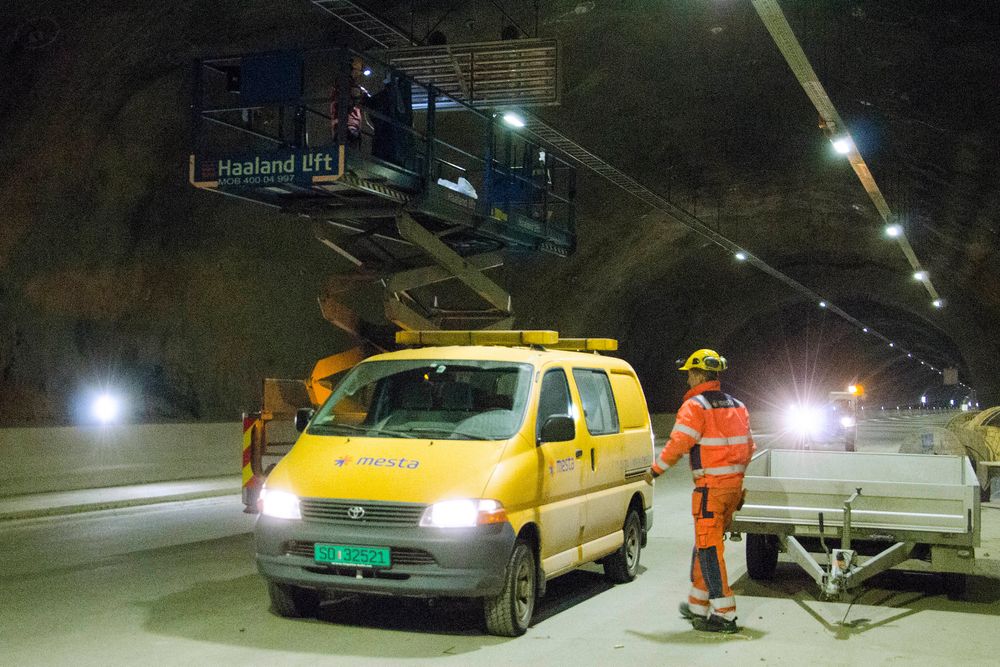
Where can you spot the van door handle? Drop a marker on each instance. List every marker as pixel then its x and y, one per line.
pixel 593 465
pixel 579 453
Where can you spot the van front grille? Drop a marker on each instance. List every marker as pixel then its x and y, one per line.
pixel 361 512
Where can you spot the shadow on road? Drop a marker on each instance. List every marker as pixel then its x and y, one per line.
pixel 882 600
pixel 236 612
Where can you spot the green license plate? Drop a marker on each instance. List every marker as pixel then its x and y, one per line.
pixel 355 556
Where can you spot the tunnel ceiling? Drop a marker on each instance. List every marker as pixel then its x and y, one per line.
pixel 116 272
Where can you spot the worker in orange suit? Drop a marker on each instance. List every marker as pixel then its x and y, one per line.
pixel 713 428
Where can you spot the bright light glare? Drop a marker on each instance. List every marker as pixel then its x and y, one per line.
pixel 513 119
pixel 822 304
pixel 279 504
pixel 460 513
pixel 847 422
pixel 842 145
pixel 920 275
pixel 893 231
pixel 923 400
pixel 937 303
pixel 106 408
pixel 805 420
pixel 741 256
pixel 367 72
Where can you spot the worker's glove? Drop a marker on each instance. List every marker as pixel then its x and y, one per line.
pixel 648 477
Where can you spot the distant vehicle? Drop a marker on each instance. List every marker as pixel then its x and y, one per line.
pixel 481 468
pixel 834 422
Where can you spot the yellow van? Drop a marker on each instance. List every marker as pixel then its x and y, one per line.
pixel 481 466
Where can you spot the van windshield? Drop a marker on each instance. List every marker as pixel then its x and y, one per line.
pixel 453 399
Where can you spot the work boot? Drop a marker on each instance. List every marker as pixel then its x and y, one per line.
pixel 715 624
pixel 686 612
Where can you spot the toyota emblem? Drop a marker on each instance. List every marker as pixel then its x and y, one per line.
pixel 355 512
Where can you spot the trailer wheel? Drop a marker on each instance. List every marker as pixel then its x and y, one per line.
pixel 955 585
pixel 762 556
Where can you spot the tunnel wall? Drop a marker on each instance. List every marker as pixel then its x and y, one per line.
pixel 37 460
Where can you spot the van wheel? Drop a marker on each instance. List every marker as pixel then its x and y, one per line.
pixel 762 556
pixel 293 601
pixel 508 614
pixel 622 566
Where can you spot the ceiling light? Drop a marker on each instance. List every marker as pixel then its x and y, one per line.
pixel 513 119
pixel 938 303
pixel 742 256
pixel 893 231
pixel 842 145
pixel 920 275
pixel 892 345
pixel 822 304
pixel 865 329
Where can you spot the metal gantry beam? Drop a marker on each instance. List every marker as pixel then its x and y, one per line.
pixel 784 37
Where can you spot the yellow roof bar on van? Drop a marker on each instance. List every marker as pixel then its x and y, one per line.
pixel 586 344
pixel 548 339
pixel 481 337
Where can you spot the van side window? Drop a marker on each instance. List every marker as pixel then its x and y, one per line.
pixel 553 398
pixel 599 409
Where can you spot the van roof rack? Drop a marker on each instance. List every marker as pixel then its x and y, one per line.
pixel 532 338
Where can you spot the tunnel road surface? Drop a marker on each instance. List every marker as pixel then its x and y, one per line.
pixel 175 584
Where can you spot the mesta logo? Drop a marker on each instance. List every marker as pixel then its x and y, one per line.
pixel 378 462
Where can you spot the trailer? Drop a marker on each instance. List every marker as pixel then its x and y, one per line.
pixel 845 517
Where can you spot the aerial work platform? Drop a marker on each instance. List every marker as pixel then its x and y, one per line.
pixel 333 136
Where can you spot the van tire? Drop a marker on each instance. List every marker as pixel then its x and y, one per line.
pixel 293 601
pixel 508 613
pixel 762 556
pixel 622 566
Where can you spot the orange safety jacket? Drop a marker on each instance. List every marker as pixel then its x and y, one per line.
pixel 714 428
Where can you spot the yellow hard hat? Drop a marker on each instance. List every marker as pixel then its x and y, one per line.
pixel 704 359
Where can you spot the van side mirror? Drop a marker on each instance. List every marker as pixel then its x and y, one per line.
pixel 557 428
pixel 302 417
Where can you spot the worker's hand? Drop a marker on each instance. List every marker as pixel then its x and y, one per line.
pixel 648 477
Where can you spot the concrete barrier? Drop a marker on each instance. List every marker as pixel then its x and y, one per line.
pixel 36 460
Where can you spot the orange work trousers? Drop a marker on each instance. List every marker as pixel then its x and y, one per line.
pixel 713 509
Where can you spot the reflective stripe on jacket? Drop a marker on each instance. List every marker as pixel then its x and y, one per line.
pixel 714 428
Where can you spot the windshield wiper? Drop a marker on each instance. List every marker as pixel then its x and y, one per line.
pixel 445 431
pixel 367 430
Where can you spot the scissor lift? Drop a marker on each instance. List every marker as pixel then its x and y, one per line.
pixel 418 197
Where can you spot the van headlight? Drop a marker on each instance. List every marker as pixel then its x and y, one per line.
pixel 279 504
pixel 463 513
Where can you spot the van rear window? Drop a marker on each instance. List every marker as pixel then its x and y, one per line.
pixel 454 399
pixel 631 404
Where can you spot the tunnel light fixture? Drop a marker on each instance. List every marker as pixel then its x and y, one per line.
pixel 367 72
pixel 741 256
pixel 892 345
pixel 920 275
pixel 893 231
pixel 938 303
pixel 909 355
pixel 865 329
pixel 842 145
pixel 513 120
pixel 822 304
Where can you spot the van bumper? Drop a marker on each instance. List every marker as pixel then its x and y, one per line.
pixel 427 562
